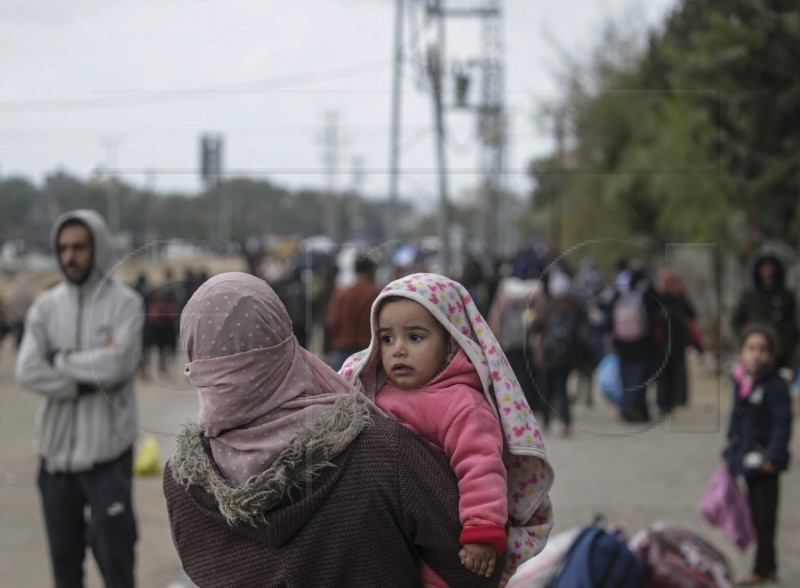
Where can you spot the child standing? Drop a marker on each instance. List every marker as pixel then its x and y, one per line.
pixel 435 365
pixel 758 439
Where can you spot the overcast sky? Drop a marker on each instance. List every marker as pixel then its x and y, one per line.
pixel 133 84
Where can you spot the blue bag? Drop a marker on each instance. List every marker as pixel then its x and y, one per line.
pixel 608 378
pixel 597 559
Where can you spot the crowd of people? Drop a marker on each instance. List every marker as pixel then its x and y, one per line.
pixel 425 394
pixel 558 324
pixel 163 304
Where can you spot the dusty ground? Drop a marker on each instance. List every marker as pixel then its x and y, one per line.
pixel 634 476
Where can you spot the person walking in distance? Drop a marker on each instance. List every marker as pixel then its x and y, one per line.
pixel 80 353
pixel 348 313
pixel 769 301
pixel 634 321
pixel 555 347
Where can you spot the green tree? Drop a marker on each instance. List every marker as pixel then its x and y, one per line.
pixel 692 128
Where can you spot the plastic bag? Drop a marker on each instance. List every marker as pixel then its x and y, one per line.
pixel 724 505
pixel 148 458
pixel 608 378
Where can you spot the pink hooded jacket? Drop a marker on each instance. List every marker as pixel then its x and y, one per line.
pixel 451 412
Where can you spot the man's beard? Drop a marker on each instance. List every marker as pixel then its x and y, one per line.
pixel 81 279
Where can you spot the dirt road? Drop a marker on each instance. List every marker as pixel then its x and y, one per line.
pixel 635 476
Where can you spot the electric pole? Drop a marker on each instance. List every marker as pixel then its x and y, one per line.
pixel 491 116
pixel 354 217
pixel 330 157
pixel 397 101
pixel 211 173
pixel 111 144
pixel 492 125
pixel 435 70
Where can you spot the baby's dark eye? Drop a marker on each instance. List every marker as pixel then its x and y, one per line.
pixel 386 339
pixel 414 338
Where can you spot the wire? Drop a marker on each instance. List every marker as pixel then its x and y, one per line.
pixel 161 97
pixel 421 133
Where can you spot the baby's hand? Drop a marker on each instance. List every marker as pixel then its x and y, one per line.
pixel 478 558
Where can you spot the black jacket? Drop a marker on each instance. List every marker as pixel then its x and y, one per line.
pixel 762 421
pixel 772 304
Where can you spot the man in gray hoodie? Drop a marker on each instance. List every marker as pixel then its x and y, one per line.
pixel 80 352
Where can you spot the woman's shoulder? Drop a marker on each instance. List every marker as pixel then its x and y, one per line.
pixel 388 442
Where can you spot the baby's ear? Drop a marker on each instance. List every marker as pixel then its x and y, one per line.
pixel 452 347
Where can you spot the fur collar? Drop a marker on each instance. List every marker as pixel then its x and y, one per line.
pixel 310 451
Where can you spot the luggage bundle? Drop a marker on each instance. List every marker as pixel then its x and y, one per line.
pixel 597 557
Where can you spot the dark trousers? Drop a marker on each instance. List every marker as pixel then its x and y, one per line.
pixel 671 389
pixel 634 374
pixel 110 530
pixel 763 499
pixel 584 387
pixel 555 385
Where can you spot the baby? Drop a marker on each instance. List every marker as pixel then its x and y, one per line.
pixel 435 365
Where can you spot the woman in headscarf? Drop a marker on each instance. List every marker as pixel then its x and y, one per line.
pixel 290 478
pixel 678 332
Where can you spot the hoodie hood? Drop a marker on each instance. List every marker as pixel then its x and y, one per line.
pixel 260 501
pixel 459 371
pixel 102 255
pixel 780 271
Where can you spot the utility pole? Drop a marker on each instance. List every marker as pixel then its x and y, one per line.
pixel 354 206
pixel 492 125
pixel 151 180
pixel 111 144
pixel 435 70
pixel 397 102
pixel 330 157
pixel 491 117
pixel 211 173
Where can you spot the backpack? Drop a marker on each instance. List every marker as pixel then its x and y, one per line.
pixel 514 325
pixel 597 559
pixel 558 339
pixel 629 316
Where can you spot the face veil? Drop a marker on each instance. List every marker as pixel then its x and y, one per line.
pixel 256 385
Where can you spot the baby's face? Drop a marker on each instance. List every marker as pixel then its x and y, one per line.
pixel 413 343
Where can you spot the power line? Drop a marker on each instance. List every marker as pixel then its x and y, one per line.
pixel 100 100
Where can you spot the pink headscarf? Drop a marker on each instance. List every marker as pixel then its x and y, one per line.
pixel 530 474
pixel 257 386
